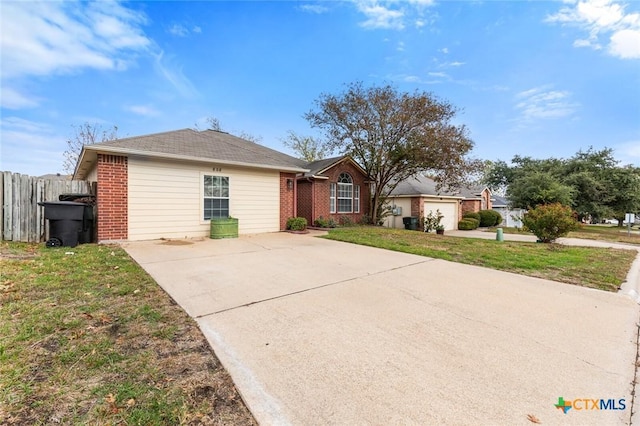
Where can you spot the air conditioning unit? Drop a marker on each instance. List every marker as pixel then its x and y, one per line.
pixel 396 211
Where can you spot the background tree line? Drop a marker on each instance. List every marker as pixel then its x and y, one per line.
pixel 591 182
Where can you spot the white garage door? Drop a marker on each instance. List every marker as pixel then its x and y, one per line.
pixel 448 209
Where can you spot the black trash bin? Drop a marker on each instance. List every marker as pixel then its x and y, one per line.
pixel 87 233
pixel 70 223
pixel 410 223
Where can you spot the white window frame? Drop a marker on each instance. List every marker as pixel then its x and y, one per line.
pixel 346 189
pixel 220 196
pixel 332 197
pixel 356 198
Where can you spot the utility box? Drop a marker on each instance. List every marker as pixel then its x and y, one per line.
pixel 70 223
pixel 396 211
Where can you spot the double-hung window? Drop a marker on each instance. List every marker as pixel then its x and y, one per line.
pixel 216 197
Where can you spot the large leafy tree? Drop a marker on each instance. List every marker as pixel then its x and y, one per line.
pixel 394 135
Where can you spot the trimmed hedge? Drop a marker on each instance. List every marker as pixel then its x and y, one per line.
pixel 471 215
pixel 489 218
pixel 468 224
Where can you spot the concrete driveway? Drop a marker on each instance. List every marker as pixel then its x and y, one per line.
pixel 318 332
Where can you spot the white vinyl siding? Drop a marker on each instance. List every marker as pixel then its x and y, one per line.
pixel 166 199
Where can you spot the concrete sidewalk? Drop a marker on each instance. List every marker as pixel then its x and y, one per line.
pixel 319 332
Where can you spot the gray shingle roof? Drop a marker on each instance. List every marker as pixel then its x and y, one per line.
pixel 319 166
pixel 419 185
pixel 206 145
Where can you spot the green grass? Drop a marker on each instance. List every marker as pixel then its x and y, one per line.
pixel 87 337
pixel 599 268
pixel 609 233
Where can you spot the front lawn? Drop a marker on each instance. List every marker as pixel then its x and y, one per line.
pixel 610 233
pixel 599 268
pixel 87 337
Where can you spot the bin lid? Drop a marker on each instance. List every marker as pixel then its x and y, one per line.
pixel 60 203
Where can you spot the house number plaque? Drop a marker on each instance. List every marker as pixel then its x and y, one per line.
pixel 216 169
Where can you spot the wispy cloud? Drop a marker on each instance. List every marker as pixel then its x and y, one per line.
pixel 602 19
pixel 540 103
pixel 393 14
pixel 49 38
pixel 143 110
pixel 313 8
pixel 43 38
pixel 180 30
pixel 13 99
pixel 172 72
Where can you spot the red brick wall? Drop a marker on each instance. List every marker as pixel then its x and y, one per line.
pixel 323 191
pixel 287 199
pixel 305 200
pixel 112 197
pixel 471 206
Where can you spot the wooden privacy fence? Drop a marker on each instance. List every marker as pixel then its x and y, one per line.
pixel 21 217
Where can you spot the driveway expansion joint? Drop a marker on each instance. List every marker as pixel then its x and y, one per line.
pixel 281 296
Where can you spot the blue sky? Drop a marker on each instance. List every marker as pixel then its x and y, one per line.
pixel 534 78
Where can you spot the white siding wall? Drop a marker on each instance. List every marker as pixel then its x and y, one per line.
pixel 396 221
pixel 166 199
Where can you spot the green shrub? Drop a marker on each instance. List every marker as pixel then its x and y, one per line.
pixel 476 222
pixel 471 215
pixel 489 218
pixel 321 222
pixel 549 222
pixel 346 221
pixel 467 224
pixel 297 223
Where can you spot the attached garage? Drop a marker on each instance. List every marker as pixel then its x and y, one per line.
pixel 449 209
pixel 418 197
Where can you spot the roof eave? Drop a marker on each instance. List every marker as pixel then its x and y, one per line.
pixel 128 151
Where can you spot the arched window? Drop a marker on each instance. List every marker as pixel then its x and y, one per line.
pixel 345 193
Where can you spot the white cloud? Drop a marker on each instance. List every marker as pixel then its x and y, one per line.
pixel 44 38
pixel 12 99
pixel 380 17
pixel 400 47
pixel 143 110
pixel 393 14
pixel 49 38
pixel 313 8
pixel 625 44
pixel 178 30
pixel 541 103
pixel 602 18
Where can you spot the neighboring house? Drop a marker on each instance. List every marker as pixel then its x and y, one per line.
pixel 510 217
pixel 475 199
pixel 336 188
pixel 418 196
pixel 169 185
